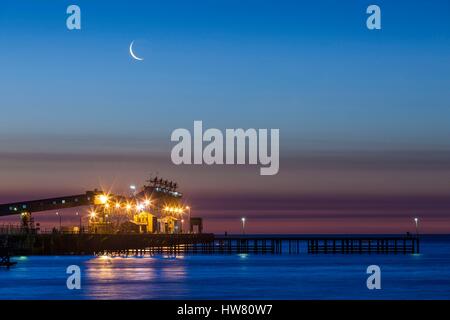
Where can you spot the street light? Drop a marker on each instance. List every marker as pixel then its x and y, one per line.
pixel 243 225
pixel 133 189
pixel 77 214
pixel 189 218
pixel 103 198
pixel 57 213
pixel 182 223
pixel 416 221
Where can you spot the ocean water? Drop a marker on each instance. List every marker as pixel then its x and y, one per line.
pixel 236 276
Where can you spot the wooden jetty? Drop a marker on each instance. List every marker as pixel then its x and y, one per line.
pixel 288 244
pixel 141 244
pixel 364 244
pixel 344 244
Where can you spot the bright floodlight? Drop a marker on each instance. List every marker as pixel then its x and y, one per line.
pixel 133 187
pixel 103 198
pixel 243 219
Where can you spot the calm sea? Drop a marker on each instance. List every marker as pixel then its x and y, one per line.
pixel 238 276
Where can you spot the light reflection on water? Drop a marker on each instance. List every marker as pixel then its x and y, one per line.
pixel 133 277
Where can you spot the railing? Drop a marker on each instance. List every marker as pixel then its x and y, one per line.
pixel 15 229
pixel 11 229
pixel 19 230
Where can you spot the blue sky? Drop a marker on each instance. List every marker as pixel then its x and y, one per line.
pixel 310 68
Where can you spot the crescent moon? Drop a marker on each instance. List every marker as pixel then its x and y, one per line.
pixel 132 53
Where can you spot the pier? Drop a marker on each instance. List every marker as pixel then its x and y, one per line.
pixel 142 244
pixel 374 244
pixel 344 244
pixel 157 220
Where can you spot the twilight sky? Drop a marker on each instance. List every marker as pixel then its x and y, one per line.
pixel 364 116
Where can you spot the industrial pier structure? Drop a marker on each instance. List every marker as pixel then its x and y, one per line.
pixel 156 208
pixel 151 220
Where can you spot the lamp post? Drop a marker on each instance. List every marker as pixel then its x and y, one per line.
pixel 416 221
pixel 189 218
pixel 243 225
pixel 77 214
pixel 57 213
pixel 133 190
pixel 182 224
